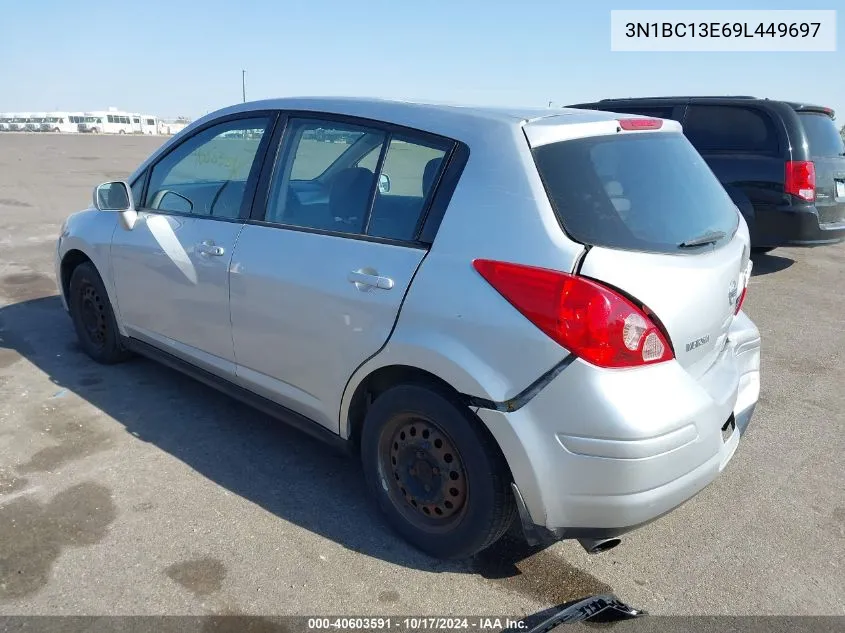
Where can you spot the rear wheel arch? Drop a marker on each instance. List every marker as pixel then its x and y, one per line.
pixel 384 378
pixel 380 380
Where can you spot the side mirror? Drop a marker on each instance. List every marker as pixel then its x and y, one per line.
pixel 172 201
pixel 383 183
pixel 117 196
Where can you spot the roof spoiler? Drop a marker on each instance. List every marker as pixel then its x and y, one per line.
pixel 803 107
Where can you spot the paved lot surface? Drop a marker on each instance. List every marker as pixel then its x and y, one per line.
pixel 133 490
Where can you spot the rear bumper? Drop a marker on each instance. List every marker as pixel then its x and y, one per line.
pixel 794 227
pixel 598 453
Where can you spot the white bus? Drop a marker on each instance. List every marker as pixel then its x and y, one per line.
pixel 34 121
pixel 60 122
pixel 89 122
pixel 149 124
pixel 18 122
pixel 110 122
pixel 5 121
pixel 119 122
pixel 169 127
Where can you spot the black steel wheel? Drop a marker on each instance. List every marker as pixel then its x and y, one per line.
pixel 92 315
pixel 436 473
pixel 427 479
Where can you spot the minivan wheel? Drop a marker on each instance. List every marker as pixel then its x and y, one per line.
pixel 93 318
pixel 441 482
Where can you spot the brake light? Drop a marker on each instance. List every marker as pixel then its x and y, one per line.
pixel 590 320
pixel 640 124
pixel 800 179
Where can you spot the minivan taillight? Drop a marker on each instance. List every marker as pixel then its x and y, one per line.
pixel 800 179
pixel 592 321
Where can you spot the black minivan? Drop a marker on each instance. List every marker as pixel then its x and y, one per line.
pixel 783 163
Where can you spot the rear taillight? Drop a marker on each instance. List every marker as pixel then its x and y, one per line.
pixel 800 179
pixel 590 320
pixel 741 300
pixel 746 279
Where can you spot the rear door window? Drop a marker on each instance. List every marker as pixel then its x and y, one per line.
pixel 822 136
pixel 318 184
pixel 345 178
pixel 643 191
pixel 730 129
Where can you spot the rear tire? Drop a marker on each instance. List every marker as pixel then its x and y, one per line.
pixel 93 317
pixel 441 482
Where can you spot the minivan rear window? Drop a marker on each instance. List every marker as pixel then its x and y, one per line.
pixel 642 191
pixel 734 129
pixel 822 136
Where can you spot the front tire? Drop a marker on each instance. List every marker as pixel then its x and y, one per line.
pixel 440 480
pixel 93 317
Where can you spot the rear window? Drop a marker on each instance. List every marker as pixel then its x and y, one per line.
pixel 645 191
pixel 730 129
pixel 822 136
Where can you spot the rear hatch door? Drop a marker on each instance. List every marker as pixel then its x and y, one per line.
pixel 660 228
pixel 693 296
pixel 827 152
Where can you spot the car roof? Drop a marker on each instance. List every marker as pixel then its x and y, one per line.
pixel 681 98
pixel 448 119
pixel 795 105
pixel 478 127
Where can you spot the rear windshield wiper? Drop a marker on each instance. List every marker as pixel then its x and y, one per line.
pixel 710 237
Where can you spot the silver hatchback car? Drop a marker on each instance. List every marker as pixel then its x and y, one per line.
pixel 506 313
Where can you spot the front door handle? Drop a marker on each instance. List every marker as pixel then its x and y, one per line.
pixel 364 280
pixel 209 248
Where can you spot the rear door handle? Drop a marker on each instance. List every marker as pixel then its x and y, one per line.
pixel 209 248
pixel 365 280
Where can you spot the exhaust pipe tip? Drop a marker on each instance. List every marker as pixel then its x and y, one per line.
pixel 597 546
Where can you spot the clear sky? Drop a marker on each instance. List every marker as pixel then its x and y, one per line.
pixel 180 57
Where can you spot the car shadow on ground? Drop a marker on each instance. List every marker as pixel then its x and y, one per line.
pixel 258 458
pixel 767 263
